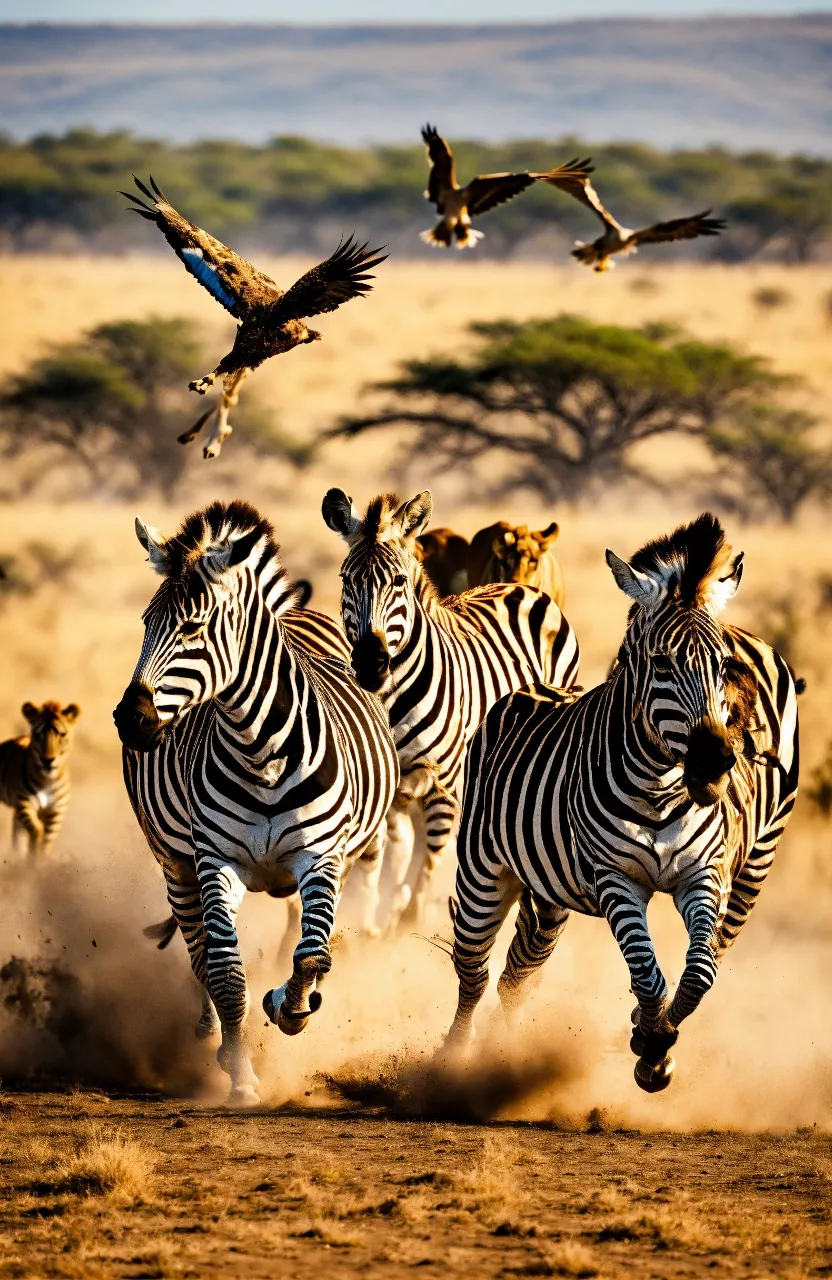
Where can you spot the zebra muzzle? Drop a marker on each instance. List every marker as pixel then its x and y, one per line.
pixel 137 720
pixel 371 661
pixel 708 761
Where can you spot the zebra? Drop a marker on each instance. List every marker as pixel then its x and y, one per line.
pixel 34 775
pixel 161 808
pixel 437 666
pixel 676 775
pixel 285 765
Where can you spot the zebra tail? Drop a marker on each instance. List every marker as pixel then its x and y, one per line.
pixel 164 931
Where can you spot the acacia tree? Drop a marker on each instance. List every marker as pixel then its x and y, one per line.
pixel 770 461
pixel 112 406
pixel 564 400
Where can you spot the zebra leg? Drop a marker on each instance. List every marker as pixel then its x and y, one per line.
pixel 26 827
pixel 221 892
pixel 398 855
pixel 701 904
pixel 292 1004
pixel 481 908
pixel 539 926
pixel 369 866
pixel 441 813
pixel 186 904
pixel 745 890
pixel 624 904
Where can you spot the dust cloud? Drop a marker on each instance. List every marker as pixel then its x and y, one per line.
pixel 84 997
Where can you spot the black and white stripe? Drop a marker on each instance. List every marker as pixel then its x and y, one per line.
pixel 437 667
pixel 252 762
pixel 677 775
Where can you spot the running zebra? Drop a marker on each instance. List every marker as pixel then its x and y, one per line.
pixel 285 767
pixel 437 667
pixel 34 775
pixel 677 775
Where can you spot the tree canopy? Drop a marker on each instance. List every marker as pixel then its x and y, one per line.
pixel 565 401
pixel 110 407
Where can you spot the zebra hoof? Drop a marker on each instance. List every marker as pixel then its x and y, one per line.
pixel 637 1041
pixel 654 1079
pixel 243 1096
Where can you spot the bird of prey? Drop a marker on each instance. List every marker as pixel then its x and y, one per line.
pixel 271 321
pixel 458 205
pixel 615 238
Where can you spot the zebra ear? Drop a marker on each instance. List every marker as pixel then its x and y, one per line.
pixel 641 587
pixel 412 516
pixel 339 513
pixel 154 544
pixel 718 593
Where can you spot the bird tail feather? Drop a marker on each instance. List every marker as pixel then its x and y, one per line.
pixel 439 237
pixel 466 236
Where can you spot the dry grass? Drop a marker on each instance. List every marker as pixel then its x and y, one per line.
pixel 108 1164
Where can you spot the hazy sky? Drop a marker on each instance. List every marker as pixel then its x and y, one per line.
pixel 378 10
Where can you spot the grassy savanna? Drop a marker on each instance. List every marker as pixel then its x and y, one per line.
pixel 223 1195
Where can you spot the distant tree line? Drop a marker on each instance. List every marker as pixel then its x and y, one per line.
pixel 293 194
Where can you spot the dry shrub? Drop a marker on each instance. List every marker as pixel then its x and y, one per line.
pixel 327 1231
pixel 490 1189
pixel 660 1227
pixel 567 1259
pixel 108 1165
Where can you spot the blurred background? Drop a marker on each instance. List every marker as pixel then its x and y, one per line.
pixel 706 364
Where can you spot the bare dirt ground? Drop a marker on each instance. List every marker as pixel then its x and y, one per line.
pixel 187 1191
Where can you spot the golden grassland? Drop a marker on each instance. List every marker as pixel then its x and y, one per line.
pixel 759 1052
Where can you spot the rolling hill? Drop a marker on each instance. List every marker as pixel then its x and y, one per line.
pixel 744 82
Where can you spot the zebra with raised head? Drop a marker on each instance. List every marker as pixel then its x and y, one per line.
pixel 437 666
pixel 34 774
pixel 676 775
pixel 285 766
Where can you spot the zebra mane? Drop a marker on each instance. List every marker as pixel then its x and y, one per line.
pixel 689 562
pixel 220 521
pixel 377 524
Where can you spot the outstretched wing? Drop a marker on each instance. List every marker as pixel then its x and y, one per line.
pixel 491 189
pixel 573 178
pixel 442 174
pixel 680 229
pixel 343 276
pixel 230 280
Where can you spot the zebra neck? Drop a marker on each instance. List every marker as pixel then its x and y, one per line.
pixel 656 778
pixel 259 708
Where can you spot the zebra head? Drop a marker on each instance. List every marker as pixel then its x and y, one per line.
pixel 221 575
pixel 381 578
pixel 695 698
pixel 50 730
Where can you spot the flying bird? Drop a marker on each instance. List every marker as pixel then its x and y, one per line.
pixel 615 238
pixel 458 205
pixel 271 321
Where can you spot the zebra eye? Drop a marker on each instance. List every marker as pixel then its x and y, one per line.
pixel 399 580
pixel 662 663
pixel 191 630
